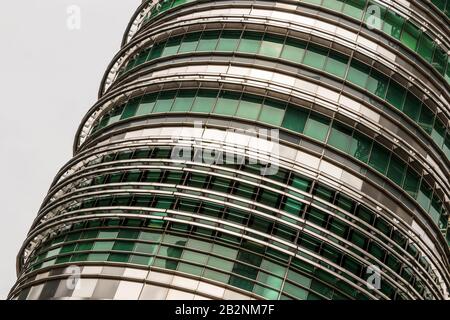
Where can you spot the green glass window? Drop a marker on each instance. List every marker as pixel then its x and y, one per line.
pixel 295 119
pixel 272 112
pixel 424 195
pixel 208 41
pixel 156 51
pixel 165 101
pixel 358 239
pixel 229 40
pixel 379 158
pixel 130 108
pixel 377 83
pixel 412 106
pixel 426 48
pixel 340 137
pixel 336 64
pixel 396 94
pixel 103 245
pixel 361 146
pixel 410 36
pixel 249 107
pixel 438 132
pixel 393 24
pixel 440 60
pixel 190 42
pixel 204 102
pixel 293 50
pixel 250 42
pixel 184 100
pixel 172 46
pixel 397 170
pixel 297 292
pixel 271 46
pixel 227 103
pixel 335 5
pixel 354 8
pixel 147 104
pixel 358 73
pixel 411 183
pixel 317 127
pixel 315 57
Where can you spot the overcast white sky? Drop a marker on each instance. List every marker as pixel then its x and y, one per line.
pixel 49 77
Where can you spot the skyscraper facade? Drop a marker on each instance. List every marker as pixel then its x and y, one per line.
pixel 251 149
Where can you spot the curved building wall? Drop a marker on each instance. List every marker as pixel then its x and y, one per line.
pixel 257 150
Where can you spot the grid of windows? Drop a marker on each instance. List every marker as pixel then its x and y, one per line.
pixel 390 23
pixel 339 225
pixel 307 54
pixel 293 118
pixel 230 260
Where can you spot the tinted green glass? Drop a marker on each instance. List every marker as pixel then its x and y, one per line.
pixel 426 48
pixel 295 119
pixel 379 158
pixel 361 146
pixel 172 46
pixel 208 41
pixel 103 245
pixel 438 132
pixel 412 106
pixel 396 94
pixel 190 42
pixel 440 60
pixel 250 42
pixel 272 112
pixel 397 170
pixel 227 103
pixel 157 51
pixel 184 100
pixel 165 101
pixel 411 182
pixel 340 137
pixel 393 24
pixel 204 102
pixel 130 108
pixel 293 50
pixel 249 107
pixel 315 57
pixel 317 127
pixel 410 35
pixel 424 195
pixel 354 8
pixel 377 83
pixel 336 64
pixel 358 73
pixel 271 46
pixel 335 5
pixel 229 40
pixel 147 104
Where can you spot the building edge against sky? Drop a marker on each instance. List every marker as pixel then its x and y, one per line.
pixel 258 150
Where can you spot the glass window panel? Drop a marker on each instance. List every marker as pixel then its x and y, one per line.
pixel 337 64
pixel 165 101
pixel 272 112
pixel 410 36
pixel 440 60
pixel 103 245
pixel 208 41
pixel 184 100
pixel 249 107
pixel 411 183
pixel 250 42
pixel 317 127
pixel 393 24
pixel 426 47
pixel 204 102
pixel 379 158
pixel 397 170
pixel 340 137
pixel 426 119
pixel 156 51
pixel 335 5
pixel 229 40
pixel 271 46
pixel 172 46
pixel 295 119
pixel 438 132
pixel 377 83
pixel 147 104
pixel 293 50
pixel 358 73
pixel 190 42
pixel 361 146
pixel 315 57
pixel 131 108
pixel 412 106
pixel 354 8
pixel 396 94
pixel 227 103
pixel 424 196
